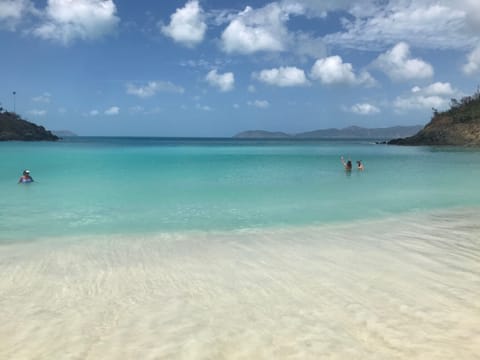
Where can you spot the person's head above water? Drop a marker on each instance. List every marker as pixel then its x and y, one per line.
pixel 25 178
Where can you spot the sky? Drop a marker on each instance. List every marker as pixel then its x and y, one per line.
pixel 213 68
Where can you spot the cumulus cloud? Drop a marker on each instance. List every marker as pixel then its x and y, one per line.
pixel 419 102
pixel 187 25
pixel 152 87
pixel 332 70
pixel 438 88
pixel 473 62
pixel 261 104
pixel 225 82
pixel 399 66
pixel 436 95
pixel 93 112
pixel 256 30
pixel 114 110
pixel 364 109
pixel 283 77
pixel 67 20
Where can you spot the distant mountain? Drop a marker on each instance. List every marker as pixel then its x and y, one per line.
pixel 356 132
pixel 13 127
pixel 351 132
pixel 460 125
pixel 63 133
pixel 262 134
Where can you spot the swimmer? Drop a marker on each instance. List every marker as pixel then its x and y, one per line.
pixel 360 166
pixel 25 178
pixel 346 164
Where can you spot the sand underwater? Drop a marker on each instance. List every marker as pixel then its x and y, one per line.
pixel 406 288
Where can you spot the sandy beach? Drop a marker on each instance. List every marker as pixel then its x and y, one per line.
pixel 401 288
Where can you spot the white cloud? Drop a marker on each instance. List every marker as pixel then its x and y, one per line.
pixel 438 88
pixel 67 20
pixel 93 112
pixel 256 30
pixel 12 12
pixel 225 82
pixel 152 87
pixel 399 66
pixel 364 109
pixel 261 104
pixel 283 77
pixel 44 98
pixel 421 102
pixel 433 24
pixel 187 25
pixel 313 8
pixel 114 110
pixel 473 64
pixel 36 112
pixel 332 70
pixel 436 95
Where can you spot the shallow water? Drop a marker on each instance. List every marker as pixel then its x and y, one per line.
pixel 401 288
pixel 228 249
pixel 121 185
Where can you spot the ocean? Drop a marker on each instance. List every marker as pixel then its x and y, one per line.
pixel 238 249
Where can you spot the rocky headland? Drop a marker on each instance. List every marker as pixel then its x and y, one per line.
pixel 13 127
pixel 459 126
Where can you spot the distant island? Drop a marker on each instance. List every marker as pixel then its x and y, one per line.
pixel 351 132
pixel 460 126
pixel 63 133
pixel 13 127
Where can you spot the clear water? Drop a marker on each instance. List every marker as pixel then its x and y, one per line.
pixel 146 185
pixel 228 249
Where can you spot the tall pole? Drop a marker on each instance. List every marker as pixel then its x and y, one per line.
pixel 14 93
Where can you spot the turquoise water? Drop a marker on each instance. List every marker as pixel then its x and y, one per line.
pixel 143 185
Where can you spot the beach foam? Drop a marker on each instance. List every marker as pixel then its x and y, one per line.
pixel 401 288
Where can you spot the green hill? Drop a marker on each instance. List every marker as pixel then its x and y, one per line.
pixel 13 127
pixel 460 125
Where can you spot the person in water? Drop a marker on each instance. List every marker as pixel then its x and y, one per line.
pixel 360 166
pixel 346 164
pixel 25 178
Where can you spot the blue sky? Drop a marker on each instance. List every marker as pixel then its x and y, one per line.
pixel 214 68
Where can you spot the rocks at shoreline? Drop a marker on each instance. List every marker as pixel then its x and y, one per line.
pixel 13 127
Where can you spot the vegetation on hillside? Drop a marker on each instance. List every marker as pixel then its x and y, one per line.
pixel 13 127
pixel 459 125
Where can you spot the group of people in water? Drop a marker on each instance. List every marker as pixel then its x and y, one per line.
pixel 348 164
pixel 26 178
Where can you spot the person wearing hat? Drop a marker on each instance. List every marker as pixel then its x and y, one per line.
pixel 25 178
